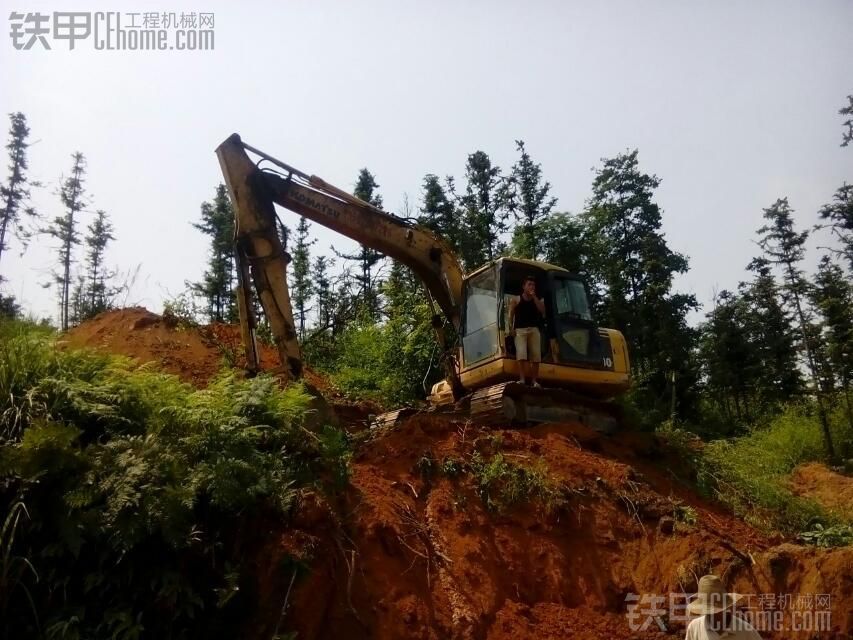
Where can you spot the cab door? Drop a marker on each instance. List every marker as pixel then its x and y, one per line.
pixel 570 322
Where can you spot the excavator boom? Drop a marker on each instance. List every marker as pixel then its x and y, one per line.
pixel 262 257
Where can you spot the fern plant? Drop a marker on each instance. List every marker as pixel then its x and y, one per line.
pixel 138 489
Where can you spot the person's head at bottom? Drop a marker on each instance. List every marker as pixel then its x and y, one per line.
pixel 715 603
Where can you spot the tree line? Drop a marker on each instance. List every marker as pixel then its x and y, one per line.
pixel 781 334
pixel 84 292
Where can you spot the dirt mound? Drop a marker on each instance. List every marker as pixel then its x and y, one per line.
pixel 820 483
pixel 194 353
pixel 419 555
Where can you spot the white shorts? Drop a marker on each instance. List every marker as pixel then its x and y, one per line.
pixel 528 344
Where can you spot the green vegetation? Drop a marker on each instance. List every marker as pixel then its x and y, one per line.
pixel 452 467
pixel 749 473
pixel 388 363
pixel 502 483
pixel 132 499
pixel 684 516
pixel 838 535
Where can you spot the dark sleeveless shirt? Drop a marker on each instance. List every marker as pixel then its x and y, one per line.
pixel 526 314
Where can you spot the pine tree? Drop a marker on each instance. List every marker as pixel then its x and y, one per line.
pixel 438 212
pixel 303 286
pixel 15 193
pixel 847 136
pixel 528 198
pixel 9 308
pixel 748 350
pixel 632 269
pixel 562 241
pixel 323 292
pixel 839 217
pixel 348 304
pixel 78 303
pixel 367 258
pixel 93 293
pixel 832 295
pixel 484 218
pixel 785 247
pixel 772 337
pixel 401 291
pixel 725 352
pixel 64 229
pixel 217 287
pixel 100 235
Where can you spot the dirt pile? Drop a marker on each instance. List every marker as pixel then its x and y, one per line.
pixel 818 482
pixel 419 555
pixel 194 353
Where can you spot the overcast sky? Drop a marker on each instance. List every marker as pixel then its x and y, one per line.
pixel 731 104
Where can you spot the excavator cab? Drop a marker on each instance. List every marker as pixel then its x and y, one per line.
pixel 576 354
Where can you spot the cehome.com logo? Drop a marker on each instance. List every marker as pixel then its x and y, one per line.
pixel 112 30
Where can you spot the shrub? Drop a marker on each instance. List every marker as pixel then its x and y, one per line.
pixel 502 484
pixel 387 363
pixel 838 535
pixel 138 490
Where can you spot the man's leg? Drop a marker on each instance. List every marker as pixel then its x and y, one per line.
pixel 521 354
pixel 534 353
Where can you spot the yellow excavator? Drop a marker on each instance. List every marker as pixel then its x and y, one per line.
pixel 584 366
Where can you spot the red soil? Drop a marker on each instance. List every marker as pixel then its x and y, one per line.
pixel 833 490
pixel 420 557
pixel 407 551
pixel 194 353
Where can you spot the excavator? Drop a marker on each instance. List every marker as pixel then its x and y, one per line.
pixel 584 366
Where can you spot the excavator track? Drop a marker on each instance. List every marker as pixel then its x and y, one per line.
pixel 492 406
pixel 391 418
pixel 512 404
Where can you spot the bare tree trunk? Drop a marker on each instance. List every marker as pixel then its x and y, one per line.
pixel 847 402
pixel 66 282
pixel 6 216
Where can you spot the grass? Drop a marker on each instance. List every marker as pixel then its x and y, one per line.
pixel 502 484
pixel 749 473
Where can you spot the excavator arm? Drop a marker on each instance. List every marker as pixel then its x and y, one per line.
pixel 262 258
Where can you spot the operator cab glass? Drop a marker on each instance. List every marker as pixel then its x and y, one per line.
pixel 570 299
pixel 480 337
pixel 572 324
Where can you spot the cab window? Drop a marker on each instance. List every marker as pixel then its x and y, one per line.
pixel 570 299
pixel 481 313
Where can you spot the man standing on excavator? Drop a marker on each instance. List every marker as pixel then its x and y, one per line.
pixel 526 314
